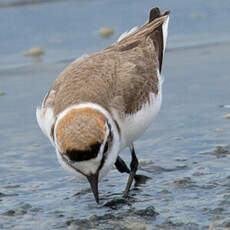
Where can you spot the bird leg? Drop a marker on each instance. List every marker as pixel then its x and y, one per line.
pixel 123 168
pixel 133 167
pixel 121 165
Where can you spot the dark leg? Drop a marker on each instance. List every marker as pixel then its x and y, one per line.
pixel 123 168
pixel 133 167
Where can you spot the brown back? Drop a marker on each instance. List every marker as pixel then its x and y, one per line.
pixel 121 76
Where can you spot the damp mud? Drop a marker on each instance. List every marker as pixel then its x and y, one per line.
pixel 185 152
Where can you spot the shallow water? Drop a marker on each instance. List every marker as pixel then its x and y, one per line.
pixel 185 151
pixel 67 29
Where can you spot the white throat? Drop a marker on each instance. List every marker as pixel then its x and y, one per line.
pixel 91 166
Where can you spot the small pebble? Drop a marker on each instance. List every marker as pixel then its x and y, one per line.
pixel 176 138
pixel 197 15
pixel 221 150
pixel 185 182
pixel 93 218
pixel 9 213
pixel 116 203
pixel 219 130
pixel 144 162
pixel 149 212
pixel 225 106
pixel 34 52
pixel 227 225
pixel 164 191
pixel 12 212
pixel 137 226
pixel 106 32
pixel 2 194
pixel 201 168
pixel 212 226
pixel 11 186
pixel 26 206
pixel 227 116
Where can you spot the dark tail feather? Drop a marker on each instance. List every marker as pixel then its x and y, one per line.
pixel 158 35
pixel 154 13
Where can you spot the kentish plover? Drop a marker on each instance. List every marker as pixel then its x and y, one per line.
pixel 103 102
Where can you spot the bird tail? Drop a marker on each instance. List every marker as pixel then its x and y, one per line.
pixel 156 28
pixel 160 33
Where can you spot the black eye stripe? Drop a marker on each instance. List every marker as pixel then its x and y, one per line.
pixel 109 140
pixel 79 155
pixel 106 147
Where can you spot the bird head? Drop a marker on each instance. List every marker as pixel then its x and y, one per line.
pixel 87 142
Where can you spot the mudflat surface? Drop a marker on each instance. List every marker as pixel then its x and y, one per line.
pixel 186 151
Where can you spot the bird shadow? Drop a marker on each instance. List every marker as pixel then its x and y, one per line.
pixel 140 179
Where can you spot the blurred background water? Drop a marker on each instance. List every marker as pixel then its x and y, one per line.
pixel 66 29
pixel 185 151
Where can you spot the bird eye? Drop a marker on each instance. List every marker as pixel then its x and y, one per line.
pixel 106 147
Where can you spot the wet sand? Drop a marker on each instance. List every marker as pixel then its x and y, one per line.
pixel 185 151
